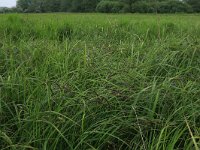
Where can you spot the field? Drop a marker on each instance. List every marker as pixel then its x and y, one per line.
pixel 99 82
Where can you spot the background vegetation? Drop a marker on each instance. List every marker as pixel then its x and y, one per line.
pixel 95 81
pixel 107 6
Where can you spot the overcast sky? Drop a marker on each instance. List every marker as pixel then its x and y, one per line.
pixel 7 3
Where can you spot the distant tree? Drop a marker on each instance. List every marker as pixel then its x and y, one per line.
pixel 51 5
pixel 77 6
pixel 170 6
pixel 141 6
pixel 65 5
pixel 56 5
pixel 173 6
pixel 89 5
pixel 130 2
pixel 35 6
pixel 110 6
pixel 8 10
pixel 23 4
pixel 195 4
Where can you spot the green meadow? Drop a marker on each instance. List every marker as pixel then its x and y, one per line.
pixel 99 81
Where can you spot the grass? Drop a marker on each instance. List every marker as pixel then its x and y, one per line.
pixel 99 81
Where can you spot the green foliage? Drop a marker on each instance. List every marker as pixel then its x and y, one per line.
pixel 112 6
pixel 24 4
pixel 64 32
pixel 195 4
pixel 12 30
pixel 8 10
pixel 99 81
pixel 173 6
pixel 89 6
pixel 65 5
pixel 144 7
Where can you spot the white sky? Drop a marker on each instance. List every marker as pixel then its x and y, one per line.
pixel 7 3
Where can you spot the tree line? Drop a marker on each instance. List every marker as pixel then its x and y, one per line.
pixel 109 6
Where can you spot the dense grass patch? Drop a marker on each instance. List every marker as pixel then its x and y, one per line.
pixel 93 81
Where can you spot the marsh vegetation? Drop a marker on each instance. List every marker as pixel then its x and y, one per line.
pixel 99 81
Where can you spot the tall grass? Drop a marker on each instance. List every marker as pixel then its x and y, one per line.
pixel 93 81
